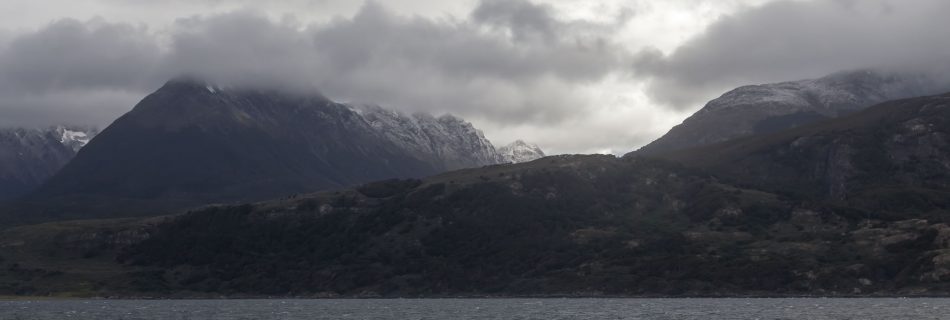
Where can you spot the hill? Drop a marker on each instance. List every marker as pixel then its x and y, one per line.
pixel 893 157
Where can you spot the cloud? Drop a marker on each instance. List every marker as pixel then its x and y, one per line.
pixel 523 19
pixel 66 69
pixel 508 62
pixel 73 107
pixel 472 68
pixel 69 54
pixel 798 39
pixel 242 48
pixel 560 73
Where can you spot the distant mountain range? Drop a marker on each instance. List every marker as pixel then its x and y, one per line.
pixel 851 204
pixel 759 109
pixel 30 156
pixel 191 143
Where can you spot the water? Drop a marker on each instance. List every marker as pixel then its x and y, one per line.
pixel 816 309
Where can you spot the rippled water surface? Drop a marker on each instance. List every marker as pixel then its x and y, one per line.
pixel 481 309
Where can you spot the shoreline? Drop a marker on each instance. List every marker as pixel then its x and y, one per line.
pixel 463 297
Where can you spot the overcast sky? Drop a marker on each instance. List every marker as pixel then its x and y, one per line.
pixel 573 76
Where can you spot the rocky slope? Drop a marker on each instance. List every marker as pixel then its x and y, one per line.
pixel 772 107
pixel 30 156
pixel 520 151
pixel 190 143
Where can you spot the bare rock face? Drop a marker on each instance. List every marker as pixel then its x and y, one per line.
pixel 760 109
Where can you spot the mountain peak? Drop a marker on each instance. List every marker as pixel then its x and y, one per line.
pixel 520 151
pixel 758 109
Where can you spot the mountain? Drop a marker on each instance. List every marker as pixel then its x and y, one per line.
pixel 850 206
pixel 893 157
pixel 191 143
pixel 520 151
pixel 767 108
pixel 30 156
pixel 447 142
pixel 853 205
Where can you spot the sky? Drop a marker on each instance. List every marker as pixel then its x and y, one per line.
pixel 591 76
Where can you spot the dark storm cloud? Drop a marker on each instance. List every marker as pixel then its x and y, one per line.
pixel 800 39
pixel 509 61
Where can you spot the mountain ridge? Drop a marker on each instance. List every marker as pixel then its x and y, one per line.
pixel 897 145
pixel 191 143
pixel 758 109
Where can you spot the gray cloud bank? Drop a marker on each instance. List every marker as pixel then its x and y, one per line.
pixel 73 70
pixel 514 66
pixel 509 62
pixel 793 40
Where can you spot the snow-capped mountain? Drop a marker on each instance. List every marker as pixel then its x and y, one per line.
pixel 190 143
pixel 767 108
pixel 30 156
pixel 448 141
pixel 520 151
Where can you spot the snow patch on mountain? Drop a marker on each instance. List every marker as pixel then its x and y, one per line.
pixel 520 151
pixel 830 95
pixel 74 137
pixel 452 142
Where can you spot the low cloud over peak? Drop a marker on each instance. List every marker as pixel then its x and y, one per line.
pixel 789 40
pixel 570 76
pixel 484 67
